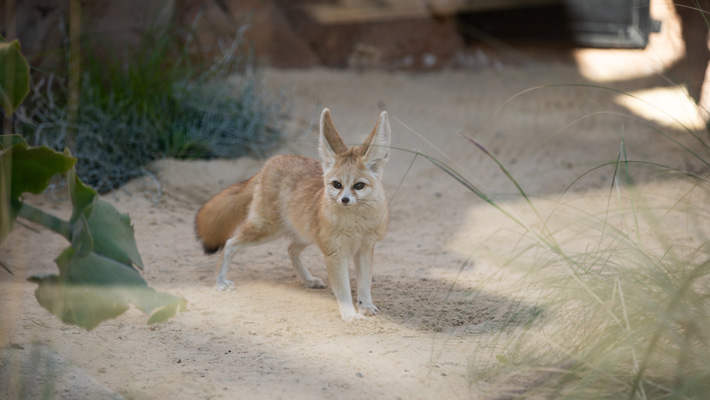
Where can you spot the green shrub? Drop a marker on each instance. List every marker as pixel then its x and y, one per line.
pixel 161 100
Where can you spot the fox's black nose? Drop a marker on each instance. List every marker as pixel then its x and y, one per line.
pixel 345 200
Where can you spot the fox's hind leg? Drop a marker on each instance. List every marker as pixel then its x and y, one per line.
pixel 294 252
pixel 230 249
pixel 248 235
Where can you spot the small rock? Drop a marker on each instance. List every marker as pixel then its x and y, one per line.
pixel 428 60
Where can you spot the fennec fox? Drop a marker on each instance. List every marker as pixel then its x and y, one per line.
pixel 338 204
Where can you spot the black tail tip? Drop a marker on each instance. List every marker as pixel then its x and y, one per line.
pixel 211 250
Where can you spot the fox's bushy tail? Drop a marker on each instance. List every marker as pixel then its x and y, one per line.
pixel 218 218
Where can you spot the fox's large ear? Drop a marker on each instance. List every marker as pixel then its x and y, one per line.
pixel 330 143
pixel 377 144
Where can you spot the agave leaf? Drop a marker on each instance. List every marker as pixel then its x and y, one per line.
pixel 8 141
pixel 81 239
pixel 32 168
pixel 93 288
pixel 97 279
pixel 24 169
pixel 111 233
pixel 84 292
pixel 85 306
pixel 82 196
pixel 158 305
pixel 14 76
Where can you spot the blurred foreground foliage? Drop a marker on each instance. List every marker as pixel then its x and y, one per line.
pixel 98 273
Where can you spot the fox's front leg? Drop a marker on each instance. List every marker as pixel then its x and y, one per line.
pixel 363 270
pixel 250 234
pixel 340 283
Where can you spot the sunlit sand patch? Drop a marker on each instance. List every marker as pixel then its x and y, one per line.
pixel 664 49
pixel 605 65
pixel 670 107
pixel 660 210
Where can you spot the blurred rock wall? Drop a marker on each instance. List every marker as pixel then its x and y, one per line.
pixel 280 33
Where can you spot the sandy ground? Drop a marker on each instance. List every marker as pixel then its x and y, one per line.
pixel 440 284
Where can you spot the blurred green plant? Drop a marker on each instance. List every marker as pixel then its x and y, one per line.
pixel 14 76
pixel 628 315
pixel 98 273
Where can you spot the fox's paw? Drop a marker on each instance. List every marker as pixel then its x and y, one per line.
pixel 224 284
pixel 367 310
pixel 314 283
pixel 350 318
pixel 348 314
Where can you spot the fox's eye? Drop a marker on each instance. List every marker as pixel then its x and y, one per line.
pixel 359 186
pixel 337 185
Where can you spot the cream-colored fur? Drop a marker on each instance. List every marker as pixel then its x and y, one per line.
pixel 338 204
